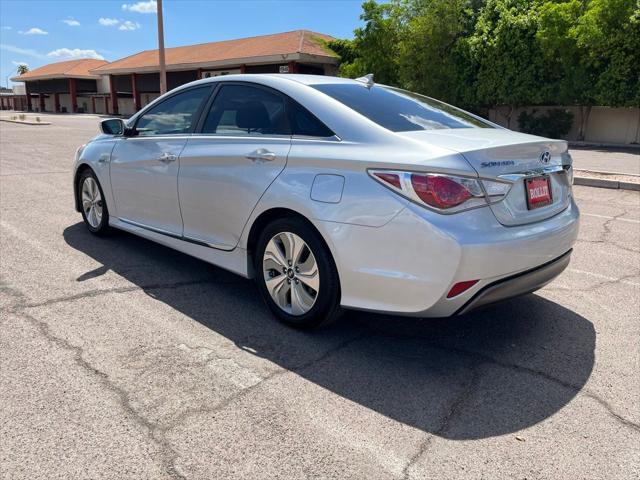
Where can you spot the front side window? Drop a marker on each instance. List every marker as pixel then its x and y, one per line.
pixel 175 115
pixel 399 110
pixel 246 110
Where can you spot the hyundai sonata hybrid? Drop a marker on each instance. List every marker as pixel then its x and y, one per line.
pixel 335 193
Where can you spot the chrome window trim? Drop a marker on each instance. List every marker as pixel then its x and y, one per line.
pixel 333 138
pixel 241 137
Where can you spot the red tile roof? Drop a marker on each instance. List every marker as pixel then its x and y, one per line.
pixel 281 45
pixel 69 69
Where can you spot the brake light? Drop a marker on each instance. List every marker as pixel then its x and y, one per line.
pixel 439 192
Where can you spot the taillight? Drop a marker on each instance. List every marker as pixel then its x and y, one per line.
pixel 440 192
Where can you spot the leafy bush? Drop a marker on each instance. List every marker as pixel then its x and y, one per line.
pixel 555 123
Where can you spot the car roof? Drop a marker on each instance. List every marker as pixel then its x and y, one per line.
pixel 296 77
pixel 313 79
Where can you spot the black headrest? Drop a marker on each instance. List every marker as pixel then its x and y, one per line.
pixel 253 115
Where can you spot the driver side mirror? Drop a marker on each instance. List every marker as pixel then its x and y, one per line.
pixel 113 126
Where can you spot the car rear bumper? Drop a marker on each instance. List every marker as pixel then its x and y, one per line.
pixel 516 285
pixel 409 265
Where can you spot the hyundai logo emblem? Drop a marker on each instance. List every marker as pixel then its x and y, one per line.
pixel 545 158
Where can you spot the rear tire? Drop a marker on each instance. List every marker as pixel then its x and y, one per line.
pixel 296 274
pixel 92 204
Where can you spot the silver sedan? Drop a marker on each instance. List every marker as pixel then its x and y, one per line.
pixel 336 193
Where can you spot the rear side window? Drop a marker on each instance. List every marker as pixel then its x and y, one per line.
pixel 175 115
pixel 399 110
pixel 246 110
pixel 304 123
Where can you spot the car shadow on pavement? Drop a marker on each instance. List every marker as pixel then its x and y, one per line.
pixel 488 373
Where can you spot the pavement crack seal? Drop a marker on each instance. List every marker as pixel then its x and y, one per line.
pixel 607 231
pixel 603 283
pixel 454 409
pixel 107 291
pixel 155 433
pixel 486 359
pixel 246 391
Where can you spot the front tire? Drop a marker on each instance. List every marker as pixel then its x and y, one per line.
pixel 92 205
pixel 296 275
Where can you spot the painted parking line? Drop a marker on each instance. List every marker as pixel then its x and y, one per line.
pixel 629 220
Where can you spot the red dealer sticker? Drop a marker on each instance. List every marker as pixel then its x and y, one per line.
pixel 538 191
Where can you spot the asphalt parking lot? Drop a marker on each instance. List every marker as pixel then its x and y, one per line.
pixel 124 359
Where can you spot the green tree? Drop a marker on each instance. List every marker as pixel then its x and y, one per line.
pixel 509 60
pixel 609 35
pixel 375 47
pixel 22 69
pixel 571 81
pixel 434 55
pixel 487 53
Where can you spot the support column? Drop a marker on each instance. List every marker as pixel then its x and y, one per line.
pixel 28 95
pixel 41 98
pixel 93 105
pixel 73 93
pixel 136 93
pixel 293 68
pixel 243 68
pixel 199 74
pixel 106 105
pixel 114 95
pixel 56 102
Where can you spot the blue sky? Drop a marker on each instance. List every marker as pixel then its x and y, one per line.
pixel 40 32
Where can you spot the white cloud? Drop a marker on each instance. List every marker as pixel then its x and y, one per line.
pixel 21 51
pixel 73 53
pixel 141 7
pixel 108 22
pixel 34 31
pixel 7 27
pixel 72 22
pixel 129 25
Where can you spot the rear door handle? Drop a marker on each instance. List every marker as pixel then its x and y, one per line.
pixel 261 154
pixel 167 157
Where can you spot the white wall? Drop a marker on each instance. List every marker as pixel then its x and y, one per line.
pixel 103 84
pixel 604 124
pixel 126 106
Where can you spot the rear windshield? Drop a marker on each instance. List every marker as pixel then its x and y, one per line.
pixel 399 110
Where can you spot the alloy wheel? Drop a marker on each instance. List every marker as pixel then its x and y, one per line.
pixel 291 273
pixel 92 202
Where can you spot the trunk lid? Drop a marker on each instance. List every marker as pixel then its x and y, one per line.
pixel 505 155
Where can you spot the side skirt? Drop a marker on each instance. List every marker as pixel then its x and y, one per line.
pixel 235 260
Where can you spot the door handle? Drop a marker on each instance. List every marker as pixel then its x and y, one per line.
pixel 261 154
pixel 167 157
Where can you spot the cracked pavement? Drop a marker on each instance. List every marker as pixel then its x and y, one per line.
pixel 120 358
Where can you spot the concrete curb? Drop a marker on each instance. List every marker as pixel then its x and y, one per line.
pixel 603 183
pixel 622 146
pixel 23 122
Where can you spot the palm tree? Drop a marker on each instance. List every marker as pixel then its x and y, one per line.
pixel 22 69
